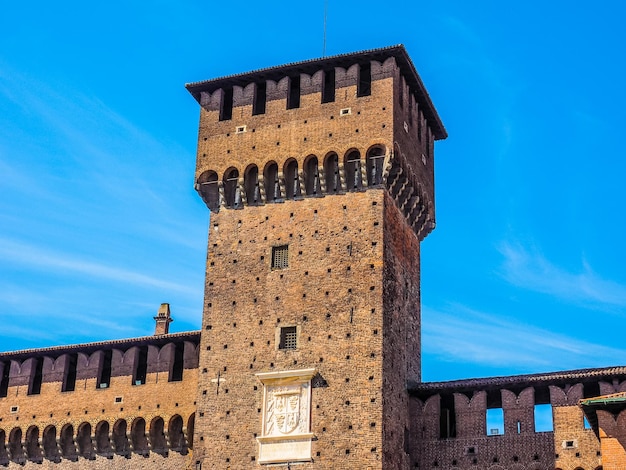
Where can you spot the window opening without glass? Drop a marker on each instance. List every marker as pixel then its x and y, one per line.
pixel 288 338
pixel 280 257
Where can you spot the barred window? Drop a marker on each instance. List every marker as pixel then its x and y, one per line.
pixel 288 338
pixel 280 257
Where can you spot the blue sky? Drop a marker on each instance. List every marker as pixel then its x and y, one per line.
pixel 99 222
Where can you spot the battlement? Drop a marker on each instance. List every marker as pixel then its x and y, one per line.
pixel 325 127
pixel 99 399
pixel 320 76
pixel 533 419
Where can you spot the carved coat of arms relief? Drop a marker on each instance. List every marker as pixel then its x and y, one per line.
pixel 286 408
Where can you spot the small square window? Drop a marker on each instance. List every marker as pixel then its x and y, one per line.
pixel 288 338
pixel 280 257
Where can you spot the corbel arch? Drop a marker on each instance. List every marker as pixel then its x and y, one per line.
pixel 352 170
pixel 271 181
pixel 311 176
pixel 251 185
pixel 207 186
pixel 292 180
pixel 232 191
pixel 375 164
pixel 331 173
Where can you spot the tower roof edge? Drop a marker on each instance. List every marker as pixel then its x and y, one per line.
pixel 342 60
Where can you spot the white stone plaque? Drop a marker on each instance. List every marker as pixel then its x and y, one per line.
pixel 286 427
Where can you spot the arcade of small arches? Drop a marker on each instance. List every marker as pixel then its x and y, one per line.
pixel 319 177
pixel 103 439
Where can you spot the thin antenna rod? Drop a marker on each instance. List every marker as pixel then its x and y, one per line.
pixel 325 15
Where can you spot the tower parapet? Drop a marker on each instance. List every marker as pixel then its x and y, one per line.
pixel 318 128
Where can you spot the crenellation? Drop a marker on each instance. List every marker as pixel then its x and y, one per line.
pixel 243 96
pixel 518 411
pixel 470 414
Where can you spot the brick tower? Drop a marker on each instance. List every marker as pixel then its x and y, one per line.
pixel 319 178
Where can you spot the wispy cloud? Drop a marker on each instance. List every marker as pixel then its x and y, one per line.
pixel 36 257
pixel 531 270
pixel 458 333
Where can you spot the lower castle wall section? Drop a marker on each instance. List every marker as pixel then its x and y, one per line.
pixel 173 461
pixel 520 452
pixel 91 422
pixel 540 425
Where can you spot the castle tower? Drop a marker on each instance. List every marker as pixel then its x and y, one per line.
pixel 319 178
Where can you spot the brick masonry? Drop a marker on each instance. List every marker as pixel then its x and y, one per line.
pixel 349 285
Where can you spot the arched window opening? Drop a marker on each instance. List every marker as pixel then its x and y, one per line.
pixel 375 163
pixel 251 183
pixel 178 363
pixel 352 167
pixel 104 377
pixel 331 173
pixel 103 444
pixel 69 378
pixel 36 376
pixel 364 86
pixel 208 188
pixel 293 97
pixel 260 98
pixel 292 183
pixel 272 185
pixel 494 416
pixel 16 451
pixel 4 456
pixel 311 177
pixel 120 439
pixel 226 105
pixel 328 86
pixel 175 432
pixel 141 366
pixel 4 378
pixel 138 436
pixel 83 439
pixel 447 417
pixel 232 193
pixel 190 429
pixel 158 444
pixel 68 450
pixel 49 442
pixel 33 451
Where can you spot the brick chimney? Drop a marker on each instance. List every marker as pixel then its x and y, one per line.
pixel 163 320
